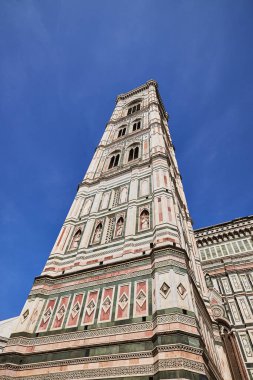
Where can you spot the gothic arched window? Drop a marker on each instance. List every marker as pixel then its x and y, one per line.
pixel 136 125
pixel 134 108
pixel 114 161
pixel 122 132
pixel 133 153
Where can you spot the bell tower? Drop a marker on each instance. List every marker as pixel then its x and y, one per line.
pixel 122 295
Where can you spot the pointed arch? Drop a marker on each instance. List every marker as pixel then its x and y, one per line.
pixel 136 125
pixel 119 227
pixel 131 154
pixel 98 233
pixel 114 160
pixel 144 219
pixel 122 131
pixel 76 239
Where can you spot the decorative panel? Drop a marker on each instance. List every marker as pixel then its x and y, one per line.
pixel 245 282
pixel 60 313
pixel 90 307
pixel 105 200
pixel 235 281
pixel 226 285
pixel 123 302
pixel 245 309
pixel 47 315
pixel 235 312
pixel 246 345
pixel 141 299
pixel 75 310
pixel 106 305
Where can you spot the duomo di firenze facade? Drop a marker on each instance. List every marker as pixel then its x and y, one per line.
pixel 129 290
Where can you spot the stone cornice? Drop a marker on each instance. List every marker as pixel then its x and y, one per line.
pixel 136 90
pixel 101 358
pixel 222 227
pixel 105 331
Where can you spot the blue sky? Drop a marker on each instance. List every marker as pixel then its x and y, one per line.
pixel 62 65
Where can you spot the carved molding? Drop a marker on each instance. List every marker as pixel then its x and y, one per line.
pixel 106 331
pixel 103 358
pixel 134 370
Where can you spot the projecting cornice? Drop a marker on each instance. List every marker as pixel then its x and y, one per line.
pixel 136 90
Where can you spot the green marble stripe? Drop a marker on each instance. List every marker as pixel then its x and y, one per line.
pixel 128 347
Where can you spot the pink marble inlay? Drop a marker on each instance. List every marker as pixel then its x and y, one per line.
pixel 75 310
pixel 106 305
pixel 123 302
pixel 90 307
pixel 47 315
pixel 141 298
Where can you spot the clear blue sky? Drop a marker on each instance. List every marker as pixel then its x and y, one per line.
pixel 62 63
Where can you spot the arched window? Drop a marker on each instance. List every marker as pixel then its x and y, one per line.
pixel 136 152
pixel 122 132
pixel 133 153
pixel 136 125
pixel 114 161
pixel 144 220
pixel 134 108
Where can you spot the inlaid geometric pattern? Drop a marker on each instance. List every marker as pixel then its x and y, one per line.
pixel 90 307
pixel 141 298
pixel 181 290
pixel 164 290
pixel 75 310
pixel 46 317
pixel 141 304
pixel 106 304
pixel 123 301
pixel 60 313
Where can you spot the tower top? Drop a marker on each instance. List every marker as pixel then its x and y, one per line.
pixel 150 82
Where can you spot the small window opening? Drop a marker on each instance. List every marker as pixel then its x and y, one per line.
pixel 122 132
pixel 131 155
pixel 133 109
pixel 136 152
pixel 114 161
pixel 111 162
